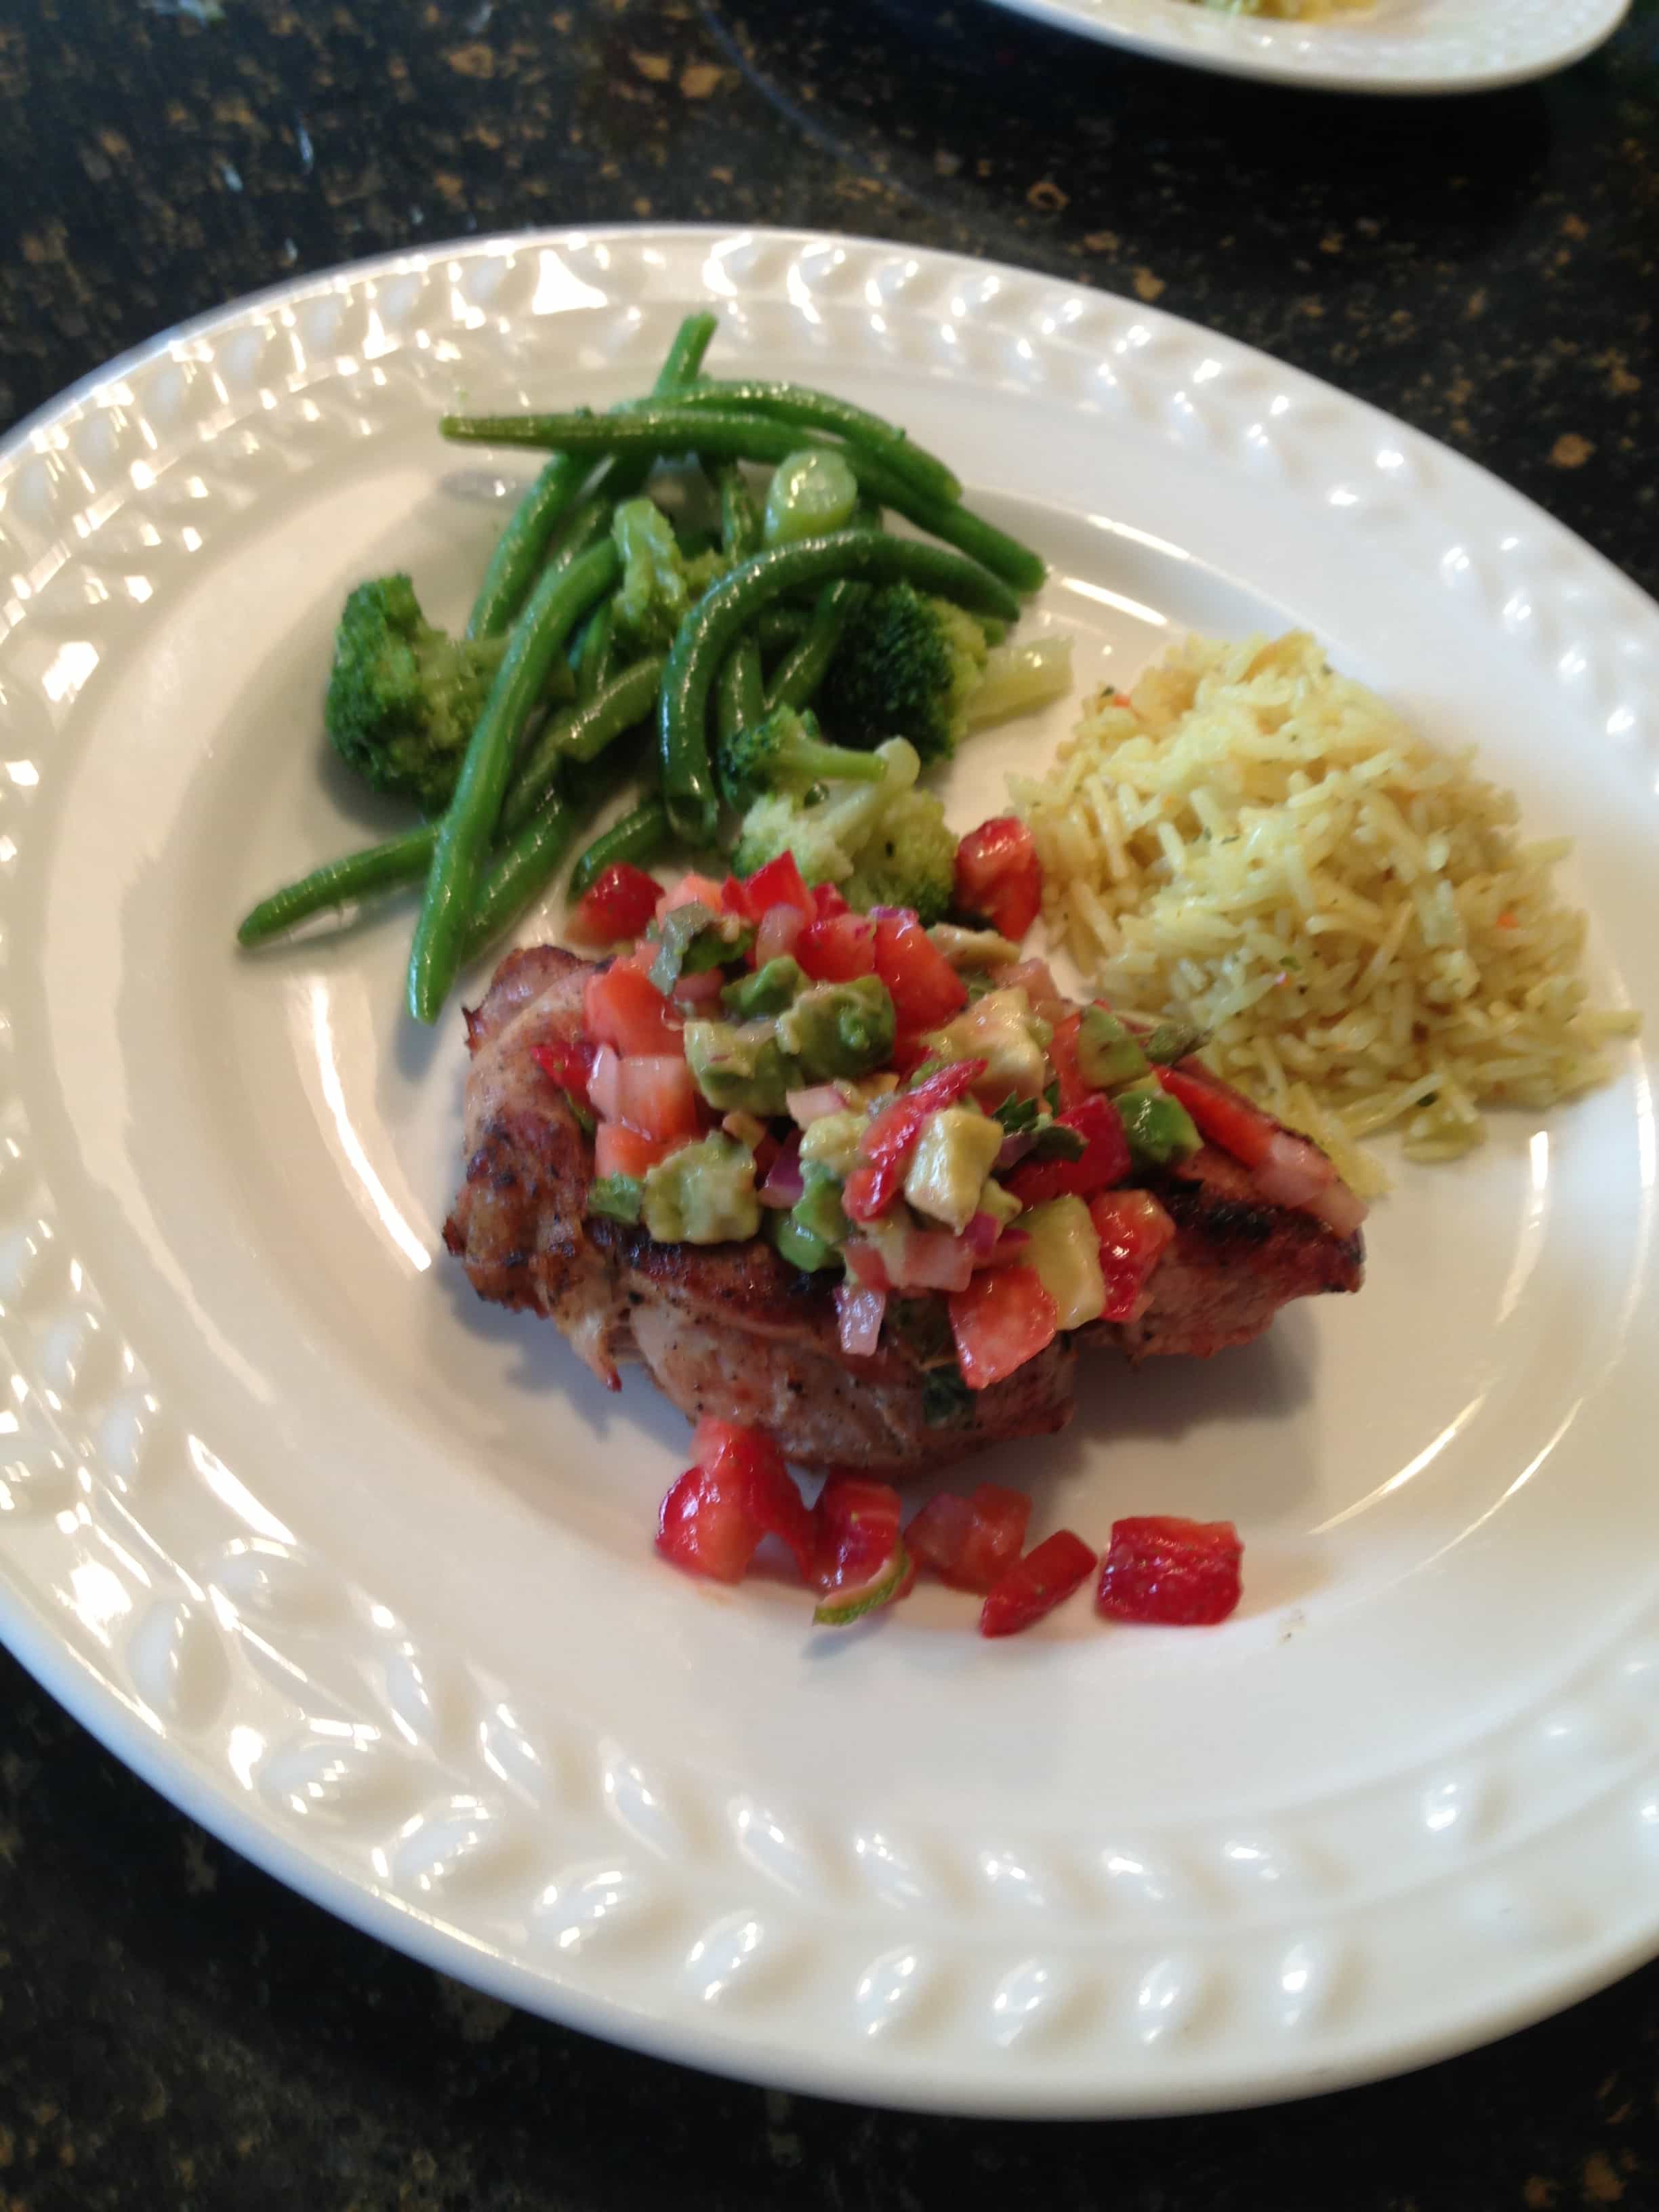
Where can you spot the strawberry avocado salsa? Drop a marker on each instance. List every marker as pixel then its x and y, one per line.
pixel 919 1113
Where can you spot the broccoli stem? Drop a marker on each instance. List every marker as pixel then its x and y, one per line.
pixel 813 760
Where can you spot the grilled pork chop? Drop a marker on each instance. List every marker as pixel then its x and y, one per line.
pixel 734 1331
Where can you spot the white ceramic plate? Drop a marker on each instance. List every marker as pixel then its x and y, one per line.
pixel 1393 46
pixel 358 1570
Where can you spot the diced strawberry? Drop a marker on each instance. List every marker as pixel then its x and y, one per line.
pixel 857 1531
pixel 1135 1232
pixel 887 1141
pixel 1179 1573
pixel 618 1150
pixel 714 1517
pixel 657 1096
pixel 1036 979
pixel 1223 1115
pixel 567 1063
pixel 999 877
pixel 1105 1157
pixel 869 1191
pixel 1043 1579
pixel 1004 1318
pixel 925 988
pixel 620 905
pixel 780 883
pixel 622 1007
pixel 829 901
pixel 969 1542
pixel 837 949
pixel 1062 1056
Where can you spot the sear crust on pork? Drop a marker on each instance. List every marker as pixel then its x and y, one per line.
pixel 734 1331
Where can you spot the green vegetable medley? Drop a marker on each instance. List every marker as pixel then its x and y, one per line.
pixel 767 665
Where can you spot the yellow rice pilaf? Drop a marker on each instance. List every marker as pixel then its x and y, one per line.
pixel 1266 849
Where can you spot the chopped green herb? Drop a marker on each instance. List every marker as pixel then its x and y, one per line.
pixel 946 1401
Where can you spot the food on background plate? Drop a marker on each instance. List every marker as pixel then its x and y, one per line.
pixel 1304 11
pixel 1250 842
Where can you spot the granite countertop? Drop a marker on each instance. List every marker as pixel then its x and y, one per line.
pixel 175 2029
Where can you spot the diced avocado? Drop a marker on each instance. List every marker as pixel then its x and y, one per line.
pixel 819 1209
pixel 972 949
pixel 839 1029
pixel 1064 1250
pixel 1159 1127
pixel 704 1194
pixel 1172 1041
pixel 955 1152
pixel 1001 1204
pixel 618 1197
pixel 768 991
pixel 739 1069
pixel 797 1244
pixel 1001 1030
pixel 1107 1054
pixel 832 1142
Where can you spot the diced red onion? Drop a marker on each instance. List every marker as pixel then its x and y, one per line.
pixel 861 1313
pixel 604 1084
pixel 779 925
pixel 1014 1148
pixel 863 1261
pixel 1009 1246
pixel 784 1182
pixel 808 1106
pixel 1337 1206
pixel 1293 1171
pixel 698 990
pixel 982 1234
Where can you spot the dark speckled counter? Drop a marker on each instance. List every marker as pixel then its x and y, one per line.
pixel 175 2030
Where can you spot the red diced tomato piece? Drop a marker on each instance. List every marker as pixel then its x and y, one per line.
pixel 1043 1579
pixel 656 1094
pixel 780 883
pixel 999 876
pixel 1135 1233
pixel 1004 1318
pixel 829 901
pixel 969 1542
pixel 618 1150
pixel 569 1064
pixel 621 904
pixel 622 1007
pixel 858 1531
pixel 1223 1115
pixel 1179 1573
pixel 714 1517
pixel 925 988
pixel 1062 1054
pixel 692 889
pixel 837 949
pixel 1105 1157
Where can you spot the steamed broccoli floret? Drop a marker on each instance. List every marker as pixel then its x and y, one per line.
pixel 908 860
pixel 907 664
pixel 825 832
pixel 783 751
pixel 403 696
pixel 653 597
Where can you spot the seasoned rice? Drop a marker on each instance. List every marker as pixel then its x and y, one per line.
pixel 1263 847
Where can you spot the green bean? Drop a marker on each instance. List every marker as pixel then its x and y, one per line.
pixel 519 872
pixel 795 680
pixel 739 696
pixel 740 516
pixel 642 837
pixel 717 621
pixel 807 409
pixel 777 628
pixel 580 733
pixel 594 653
pixel 668 428
pixel 562 595
pixel 523 544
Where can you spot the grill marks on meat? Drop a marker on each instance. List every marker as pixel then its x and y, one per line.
pixel 732 1330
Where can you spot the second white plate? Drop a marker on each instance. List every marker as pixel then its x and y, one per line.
pixel 1392 46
